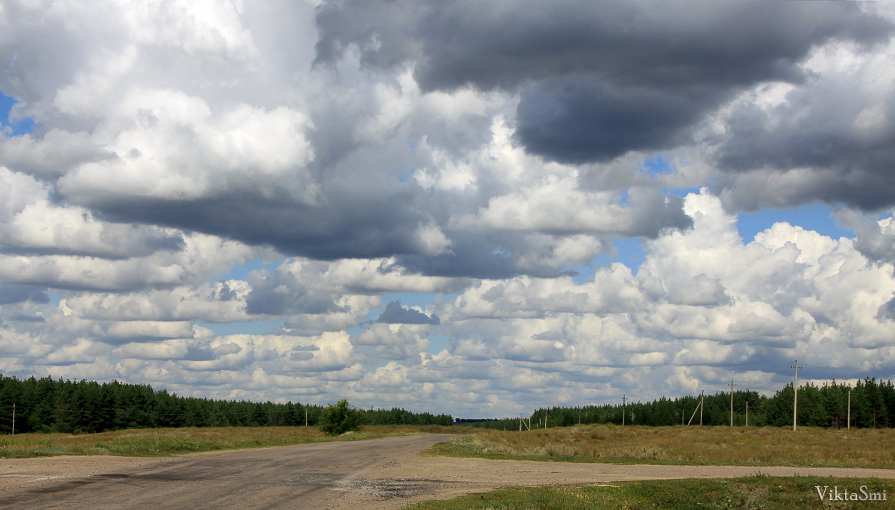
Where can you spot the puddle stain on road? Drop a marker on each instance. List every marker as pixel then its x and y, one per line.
pixel 382 488
pixel 387 488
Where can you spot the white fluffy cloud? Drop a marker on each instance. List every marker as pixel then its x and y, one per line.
pixel 223 198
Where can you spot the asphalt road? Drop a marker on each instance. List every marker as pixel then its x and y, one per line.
pixel 313 476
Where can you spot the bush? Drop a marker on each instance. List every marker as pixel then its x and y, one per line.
pixel 340 418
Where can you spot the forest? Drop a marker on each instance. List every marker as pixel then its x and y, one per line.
pixel 872 406
pixel 51 405
pixel 57 405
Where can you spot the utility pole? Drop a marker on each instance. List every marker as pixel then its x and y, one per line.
pixel 13 419
pixel 624 408
pixel 701 402
pixel 306 416
pixel 731 402
pixel 694 414
pixel 795 400
pixel 848 425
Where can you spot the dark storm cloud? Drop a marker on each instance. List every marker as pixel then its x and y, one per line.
pixel 350 223
pixel 605 77
pixel 499 45
pixel 396 314
pixel 835 135
pixel 10 294
pixel 582 118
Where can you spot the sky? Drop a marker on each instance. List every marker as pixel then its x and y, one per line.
pixel 476 208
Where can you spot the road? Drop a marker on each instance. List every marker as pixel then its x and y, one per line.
pixel 380 474
pixel 312 476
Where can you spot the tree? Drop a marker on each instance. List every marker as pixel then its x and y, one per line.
pixel 340 418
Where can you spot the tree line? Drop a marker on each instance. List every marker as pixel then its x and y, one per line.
pixel 872 406
pixel 57 405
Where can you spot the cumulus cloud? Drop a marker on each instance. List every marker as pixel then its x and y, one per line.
pixel 197 172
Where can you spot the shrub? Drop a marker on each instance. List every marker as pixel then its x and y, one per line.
pixel 340 418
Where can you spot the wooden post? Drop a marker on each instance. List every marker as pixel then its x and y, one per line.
pixel 624 408
pixel 698 408
pixel 306 416
pixel 747 412
pixel 848 425
pixel 701 405
pixel 731 402
pixel 13 419
pixel 795 399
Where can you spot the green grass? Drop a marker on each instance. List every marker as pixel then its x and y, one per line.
pixel 744 446
pixel 161 442
pixel 753 493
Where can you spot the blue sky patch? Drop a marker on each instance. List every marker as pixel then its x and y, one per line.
pixel 18 127
pixel 817 217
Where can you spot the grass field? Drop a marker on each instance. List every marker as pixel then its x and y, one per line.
pixel 156 442
pixel 752 446
pixel 587 443
pixel 752 493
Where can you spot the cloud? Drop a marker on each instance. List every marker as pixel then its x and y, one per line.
pixel 394 313
pixel 17 293
pixel 558 206
pixel 198 172
pixel 794 145
pixel 606 79
pixel 394 342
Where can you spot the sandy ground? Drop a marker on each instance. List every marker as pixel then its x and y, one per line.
pixel 394 480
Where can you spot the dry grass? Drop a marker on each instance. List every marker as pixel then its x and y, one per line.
pixel 149 442
pixel 687 445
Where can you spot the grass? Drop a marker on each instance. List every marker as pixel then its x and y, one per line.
pixel 585 443
pixel 752 493
pixel 158 442
pixel 749 446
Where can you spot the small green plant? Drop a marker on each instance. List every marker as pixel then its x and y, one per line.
pixel 338 419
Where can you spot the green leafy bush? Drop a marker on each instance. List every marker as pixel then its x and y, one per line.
pixel 340 418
